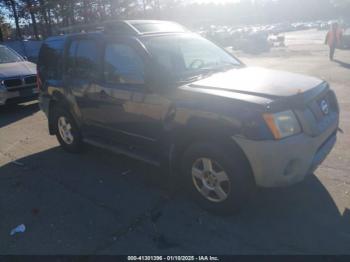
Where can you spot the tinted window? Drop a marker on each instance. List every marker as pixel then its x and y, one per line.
pixel 123 65
pixel 189 55
pixel 86 60
pixel 71 58
pixel 50 59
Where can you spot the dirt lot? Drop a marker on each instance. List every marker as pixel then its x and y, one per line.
pixel 99 203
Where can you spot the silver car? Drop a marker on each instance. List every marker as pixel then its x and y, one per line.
pixel 17 78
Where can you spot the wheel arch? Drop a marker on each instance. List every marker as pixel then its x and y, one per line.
pixel 198 130
pixel 58 100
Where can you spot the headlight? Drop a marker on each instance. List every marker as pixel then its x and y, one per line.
pixel 282 124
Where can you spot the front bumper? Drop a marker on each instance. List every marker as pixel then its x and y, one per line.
pixel 8 97
pixel 288 161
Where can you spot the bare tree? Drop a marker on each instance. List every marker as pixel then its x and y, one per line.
pixel 31 10
pixel 12 5
pixel 46 15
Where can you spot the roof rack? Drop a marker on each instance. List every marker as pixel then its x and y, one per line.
pixel 128 27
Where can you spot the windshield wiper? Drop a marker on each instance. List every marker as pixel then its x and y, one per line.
pixel 189 79
pixel 221 68
pixel 205 72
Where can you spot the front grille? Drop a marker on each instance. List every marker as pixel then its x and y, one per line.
pixel 30 80
pixel 333 101
pixel 316 106
pixel 316 119
pixel 17 84
pixel 13 82
pixel 19 88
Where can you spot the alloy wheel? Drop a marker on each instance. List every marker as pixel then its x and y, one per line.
pixel 211 180
pixel 65 130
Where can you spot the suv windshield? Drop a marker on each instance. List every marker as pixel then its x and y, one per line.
pixel 8 56
pixel 188 56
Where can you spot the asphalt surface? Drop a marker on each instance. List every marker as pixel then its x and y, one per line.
pixel 100 203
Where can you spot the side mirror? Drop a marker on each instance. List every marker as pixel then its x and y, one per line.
pixel 158 78
pixel 112 77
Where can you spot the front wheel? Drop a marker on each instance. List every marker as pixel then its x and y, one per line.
pixel 67 131
pixel 219 179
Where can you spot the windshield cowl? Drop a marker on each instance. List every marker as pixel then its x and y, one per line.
pixel 207 72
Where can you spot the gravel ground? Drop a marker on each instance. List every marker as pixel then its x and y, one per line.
pixel 99 203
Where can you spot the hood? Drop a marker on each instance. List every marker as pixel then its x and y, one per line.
pixel 253 81
pixel 17 69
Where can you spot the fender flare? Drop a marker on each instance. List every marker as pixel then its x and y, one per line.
pixel 59 100
pixel 199 129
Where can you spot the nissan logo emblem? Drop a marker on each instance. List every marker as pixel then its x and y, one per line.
pixel 324 107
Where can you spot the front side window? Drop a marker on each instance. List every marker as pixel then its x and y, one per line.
pixel 122 65
pixel 8 56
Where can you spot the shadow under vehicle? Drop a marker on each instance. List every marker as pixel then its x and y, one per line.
pixel 110 212
pixel 15 112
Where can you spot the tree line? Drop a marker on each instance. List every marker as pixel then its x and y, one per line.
pixel 41 18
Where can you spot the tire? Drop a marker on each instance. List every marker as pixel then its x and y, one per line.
pixel 68 136
pixel 207 187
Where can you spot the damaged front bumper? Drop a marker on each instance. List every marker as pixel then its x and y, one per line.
pixel 288 161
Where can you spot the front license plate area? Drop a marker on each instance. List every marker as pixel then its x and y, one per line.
pixel 28 92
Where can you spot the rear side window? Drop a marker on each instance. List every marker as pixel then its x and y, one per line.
pixel 50 59
pixel 86 59
pixel 70 61
pixel 122 65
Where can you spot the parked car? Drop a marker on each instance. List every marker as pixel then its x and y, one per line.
pixel 345 42
pixel 253 43
pixel 26 48
pixel 156 92
pixel 17 78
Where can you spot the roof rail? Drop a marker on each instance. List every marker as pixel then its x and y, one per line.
pixel 119 26
pixel 127 27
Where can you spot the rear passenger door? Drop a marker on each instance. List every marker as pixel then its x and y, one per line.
pixel 83 75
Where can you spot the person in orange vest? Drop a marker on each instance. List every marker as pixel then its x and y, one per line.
pixel 333 39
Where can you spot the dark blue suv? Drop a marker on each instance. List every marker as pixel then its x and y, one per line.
pixel 154 91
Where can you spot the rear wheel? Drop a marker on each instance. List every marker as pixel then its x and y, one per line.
pixel 219 179
pixel 67 131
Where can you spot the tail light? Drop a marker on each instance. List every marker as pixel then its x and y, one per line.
pixel 38 82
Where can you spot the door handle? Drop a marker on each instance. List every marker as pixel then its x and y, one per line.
pixel 103 94
pixel 170 115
